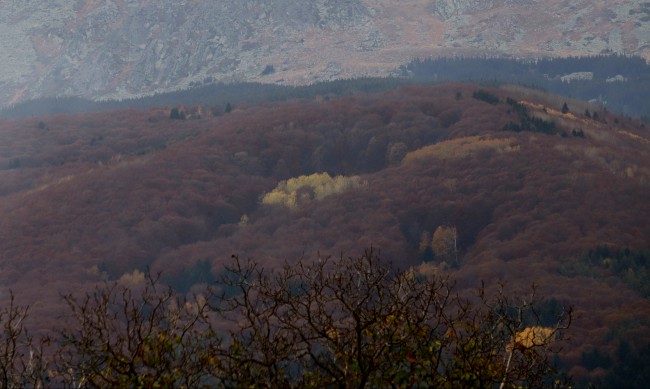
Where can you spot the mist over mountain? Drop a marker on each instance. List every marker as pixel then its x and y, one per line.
pixel 119 49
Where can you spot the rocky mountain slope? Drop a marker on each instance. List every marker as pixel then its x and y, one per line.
pixel 123 48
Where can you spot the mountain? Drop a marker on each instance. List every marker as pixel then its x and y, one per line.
pixel 497 185
pixel 116 49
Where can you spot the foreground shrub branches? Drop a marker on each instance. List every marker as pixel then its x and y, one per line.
pixel 352 322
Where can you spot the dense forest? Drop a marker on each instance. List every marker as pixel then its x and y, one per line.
pixel 503 185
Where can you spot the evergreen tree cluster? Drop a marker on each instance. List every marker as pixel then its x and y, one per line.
pixel 527 122
pixel 628 94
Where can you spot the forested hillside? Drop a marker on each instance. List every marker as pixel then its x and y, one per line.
pixel 502 185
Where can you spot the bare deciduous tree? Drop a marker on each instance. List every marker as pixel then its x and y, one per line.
pixel 139 336
pixel 357 322
pixel 346 322
pixel 22 360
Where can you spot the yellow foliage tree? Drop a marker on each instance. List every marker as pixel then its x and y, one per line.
pixel 445 243
pixel 317 186
pixel 461 148
pixel 533 336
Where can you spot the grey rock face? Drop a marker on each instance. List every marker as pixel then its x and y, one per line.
pixel 127 48
pixel 118 50
pixel 447 9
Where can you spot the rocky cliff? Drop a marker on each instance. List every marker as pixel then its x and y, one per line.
pixel 124 48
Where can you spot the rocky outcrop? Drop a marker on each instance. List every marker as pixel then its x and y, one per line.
pixel 447 9
pixel 125 48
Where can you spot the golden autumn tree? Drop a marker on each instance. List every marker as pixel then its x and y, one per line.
pixel 445 243
pixel 299 190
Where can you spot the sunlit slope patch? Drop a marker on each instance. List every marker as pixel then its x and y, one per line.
pixel 461 148
pixel 299 190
